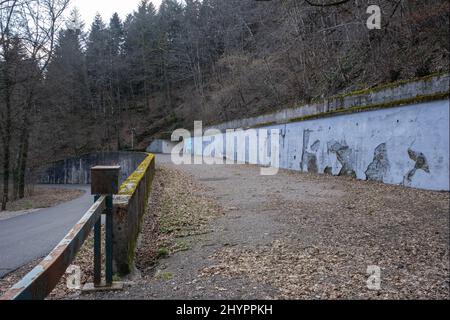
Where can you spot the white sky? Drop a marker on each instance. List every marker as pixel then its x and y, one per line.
pixel 89 8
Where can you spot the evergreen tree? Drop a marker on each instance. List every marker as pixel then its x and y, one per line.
pixel 67 73
pixel 97 54
pixel 67 94
pixel 116 35
pixel 141 49
pixel 116 70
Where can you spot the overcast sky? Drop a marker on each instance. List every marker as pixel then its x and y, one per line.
pixel 89 8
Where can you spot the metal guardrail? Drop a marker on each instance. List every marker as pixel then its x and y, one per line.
pixel 40 282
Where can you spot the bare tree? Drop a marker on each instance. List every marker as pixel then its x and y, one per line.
pixel 41 20
pixel 33 24
pixel 8 16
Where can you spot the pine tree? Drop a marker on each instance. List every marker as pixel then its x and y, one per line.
pixel 67 72
pixel 141 51
pixel 97 54
pixel 116 35
pixel 67 93
pixel 169 31
pixel 116 69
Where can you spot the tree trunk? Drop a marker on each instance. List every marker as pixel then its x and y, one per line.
pixel 25 137
pixel 6 145
pixel 24 145
pixel 15 177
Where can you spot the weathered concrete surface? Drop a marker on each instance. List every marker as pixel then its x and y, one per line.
pixel 78 170
pixel 396 133
pixel 380 96
pixel 136 175
pixel 161 146
pixel 406 145
pixel 129 207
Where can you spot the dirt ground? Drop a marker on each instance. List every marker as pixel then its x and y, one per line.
pixel 225 232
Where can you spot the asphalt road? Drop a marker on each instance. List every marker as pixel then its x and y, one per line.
pixel 32 236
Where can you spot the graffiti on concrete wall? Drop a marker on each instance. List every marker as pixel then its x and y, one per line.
pixel 406 145
pixel 420 164
pixel 379 168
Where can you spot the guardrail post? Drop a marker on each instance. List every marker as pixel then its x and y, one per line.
pixel 104 182
pixel 109 240
pixel 97 249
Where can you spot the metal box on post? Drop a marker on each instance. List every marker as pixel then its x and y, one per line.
pixel 105 180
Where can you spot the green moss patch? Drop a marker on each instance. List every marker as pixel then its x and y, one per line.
pixel 391 85
pixel 129 186
pixel 162 253
pixel 355 109
pixel 164 275
pixel 360 92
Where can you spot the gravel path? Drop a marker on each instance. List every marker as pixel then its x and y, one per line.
pixel 295 236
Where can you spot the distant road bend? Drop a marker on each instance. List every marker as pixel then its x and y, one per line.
pixel 32 236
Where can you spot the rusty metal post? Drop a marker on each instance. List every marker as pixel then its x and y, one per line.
pixel 97 249
pixel 109 240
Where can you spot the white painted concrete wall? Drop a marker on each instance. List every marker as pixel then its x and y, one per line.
pixel 416 131
pixel 161 146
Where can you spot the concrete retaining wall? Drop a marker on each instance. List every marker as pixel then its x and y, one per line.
pixel 401 93
pixel 161 146
pixel 78 170
pixel 406 145
pixel 129 208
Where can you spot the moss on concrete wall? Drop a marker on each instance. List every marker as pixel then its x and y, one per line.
pixel 129 186
pixel 404 92
pixel 391 104
pixel 131 202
